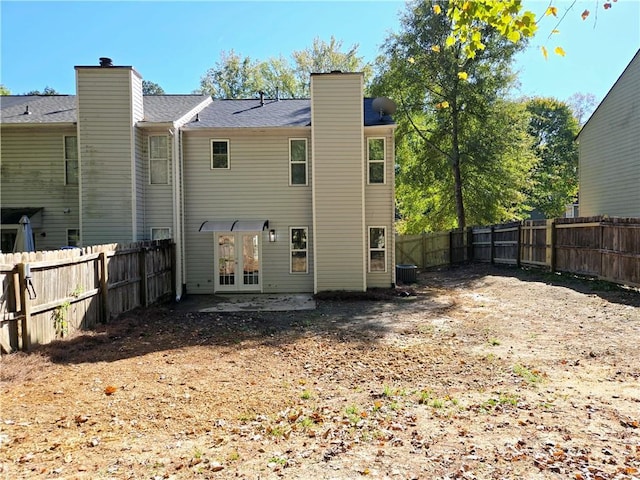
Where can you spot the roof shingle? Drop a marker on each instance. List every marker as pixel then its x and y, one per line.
pixel 167 108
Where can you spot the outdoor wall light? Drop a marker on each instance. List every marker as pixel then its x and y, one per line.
pixel 272 235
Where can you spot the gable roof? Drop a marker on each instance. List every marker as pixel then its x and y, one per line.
pixel 628 67
pixel 52 109
pixel 273 113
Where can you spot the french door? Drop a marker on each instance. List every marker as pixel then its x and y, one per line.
pixel 238 263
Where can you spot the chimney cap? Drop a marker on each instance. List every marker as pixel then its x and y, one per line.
pixel 106 62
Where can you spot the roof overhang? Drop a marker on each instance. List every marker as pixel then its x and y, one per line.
pixel 10 216
pixel 39 125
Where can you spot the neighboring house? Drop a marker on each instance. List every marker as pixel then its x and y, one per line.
pixel 609 146
pixel 260 195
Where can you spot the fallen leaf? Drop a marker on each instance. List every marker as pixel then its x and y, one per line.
pixel 81 419
pixel 110 390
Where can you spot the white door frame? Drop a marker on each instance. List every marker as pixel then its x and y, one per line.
pixel 237 280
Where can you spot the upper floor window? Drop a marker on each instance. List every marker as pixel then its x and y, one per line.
pixel 377 249
pixel 159 160
pixel 71 160
pixel 219 154
pixel 297 161
pixel 376 160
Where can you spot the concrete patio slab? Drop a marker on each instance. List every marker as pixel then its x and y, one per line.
pixel 246 302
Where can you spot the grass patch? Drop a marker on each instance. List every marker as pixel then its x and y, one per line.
pixel 529 376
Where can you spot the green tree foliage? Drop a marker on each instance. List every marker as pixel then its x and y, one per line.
pixel 4 90
pixel 151 88
pixel 554 180
pixel 470 20
pixel 463 152
pixel 324 57
pixel 582 105
pixel 47 91
pixel 234 76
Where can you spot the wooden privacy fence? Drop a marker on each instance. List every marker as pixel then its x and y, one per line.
pixel 433 249
pixel 602 247
pixel 48 295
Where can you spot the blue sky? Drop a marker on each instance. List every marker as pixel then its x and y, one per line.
pixel 173 43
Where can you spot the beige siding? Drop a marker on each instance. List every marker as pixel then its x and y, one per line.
pixel 157 199
pixel 106 144
pixel 380 209
pixel 33 173
pixel 255 187
pixel 610 151
pixel 338 170
pixel 137 110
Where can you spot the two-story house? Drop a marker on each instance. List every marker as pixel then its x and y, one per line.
pixel 260 195
pixel 609 148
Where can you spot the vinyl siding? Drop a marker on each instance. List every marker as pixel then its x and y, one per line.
pixel 32 175
pixel 379 209
pixel 255 187
pixel 107 152
pixel 338 171
pixel 609 146
pixel 139 159
pixel 157 199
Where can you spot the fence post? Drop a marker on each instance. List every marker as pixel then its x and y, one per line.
pixel 470 252
pixel 423 250
pixel 518 245
pixel 104 285
pixel 142 260
pixel 24 339
pixel 174 272
pixel 553 241
pixel 492 252
pixel 451 255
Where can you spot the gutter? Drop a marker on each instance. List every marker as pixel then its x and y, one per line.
pixel 176 158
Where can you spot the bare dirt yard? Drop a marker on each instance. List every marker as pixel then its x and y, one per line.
pixel 476 372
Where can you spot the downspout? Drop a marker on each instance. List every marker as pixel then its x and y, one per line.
pixel 176 158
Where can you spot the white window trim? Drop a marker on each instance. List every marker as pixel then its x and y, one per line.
pixel 383 161
pixel 292 251
pixel 166 159
pixel 64 156
pixel 225 140
pixel 369 249
pixel 306 164
pixel 159 228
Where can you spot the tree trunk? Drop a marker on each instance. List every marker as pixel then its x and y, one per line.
pixel 455 164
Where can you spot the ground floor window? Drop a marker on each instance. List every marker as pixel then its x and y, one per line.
pixel 73 237
pixel 160 233
pixel 298 247
pixel 377 249
pixel 8 240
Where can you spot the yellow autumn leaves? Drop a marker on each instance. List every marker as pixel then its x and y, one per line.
pixel 551 10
